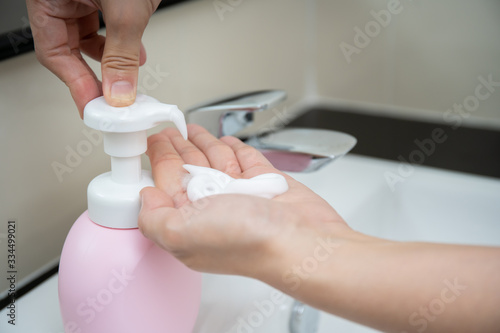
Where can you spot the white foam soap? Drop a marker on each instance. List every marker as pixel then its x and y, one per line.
pixel 204 182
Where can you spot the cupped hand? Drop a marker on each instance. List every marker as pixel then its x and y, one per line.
pixel 226 233
pixel 64 29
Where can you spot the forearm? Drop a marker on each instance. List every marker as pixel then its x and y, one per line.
pixel 299 244
pixel 393 286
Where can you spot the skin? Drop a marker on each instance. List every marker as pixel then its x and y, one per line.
pixel 63 30
pixel 296 241
pixel 391 286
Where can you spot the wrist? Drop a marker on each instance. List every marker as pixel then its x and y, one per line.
pixel 310 255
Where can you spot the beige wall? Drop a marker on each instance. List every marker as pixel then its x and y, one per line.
pixel 426 59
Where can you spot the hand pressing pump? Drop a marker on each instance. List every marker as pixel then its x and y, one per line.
pixel 111 278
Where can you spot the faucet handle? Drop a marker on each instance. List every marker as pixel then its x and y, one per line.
pixel 232 114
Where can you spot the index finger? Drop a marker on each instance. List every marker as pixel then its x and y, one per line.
pixel 251 161
pixel 166 166
pixel 57 49
pixel 218 153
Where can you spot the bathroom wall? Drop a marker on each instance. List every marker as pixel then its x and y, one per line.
pixel 411 58
pixel 427 58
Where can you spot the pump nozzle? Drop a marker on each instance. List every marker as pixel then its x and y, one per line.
pixel 144 114
pixel 113 197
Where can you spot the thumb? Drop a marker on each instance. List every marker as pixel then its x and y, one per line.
pixel 153 198
pixel 122 55
pixel 157 208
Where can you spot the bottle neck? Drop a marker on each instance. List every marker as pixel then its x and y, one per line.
pixel 125 150
pixel 126 170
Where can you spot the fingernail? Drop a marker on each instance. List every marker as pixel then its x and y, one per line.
pixel 122 93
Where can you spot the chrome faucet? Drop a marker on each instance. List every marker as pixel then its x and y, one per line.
pixel 304 319
pixel 289 149
pixel 230 115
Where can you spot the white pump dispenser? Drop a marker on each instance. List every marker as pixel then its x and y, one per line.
pixel 113 197
pixel 111 278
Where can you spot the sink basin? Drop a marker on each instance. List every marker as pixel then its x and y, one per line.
pixel 429 205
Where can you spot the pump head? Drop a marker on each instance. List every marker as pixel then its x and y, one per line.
pixel 113 197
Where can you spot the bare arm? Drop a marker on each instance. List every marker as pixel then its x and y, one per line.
pixel 298 243
pixel 393 286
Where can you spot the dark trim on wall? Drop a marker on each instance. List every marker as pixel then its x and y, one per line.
pixel 20 41
pixel 460 148
pixel 28 287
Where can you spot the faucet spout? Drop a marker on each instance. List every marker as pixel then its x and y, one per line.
pixel 230 115
pixel 302 149
pixel 289 149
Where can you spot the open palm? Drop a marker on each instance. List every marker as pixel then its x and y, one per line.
pixel 223 233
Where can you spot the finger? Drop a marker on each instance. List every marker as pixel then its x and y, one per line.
pixel 93 46
pixel 122 52
pixel 91 43
pixel 189 153
pixel 250 159
pixel 166 165
pixel 84 88
pixel 153 198
pixel 158 216
pixel 60 54
pixel 219 154
pixel 142 56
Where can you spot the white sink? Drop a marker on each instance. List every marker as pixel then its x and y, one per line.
pixel 430 205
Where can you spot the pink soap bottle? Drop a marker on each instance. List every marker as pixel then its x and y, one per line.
pixel 111 278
